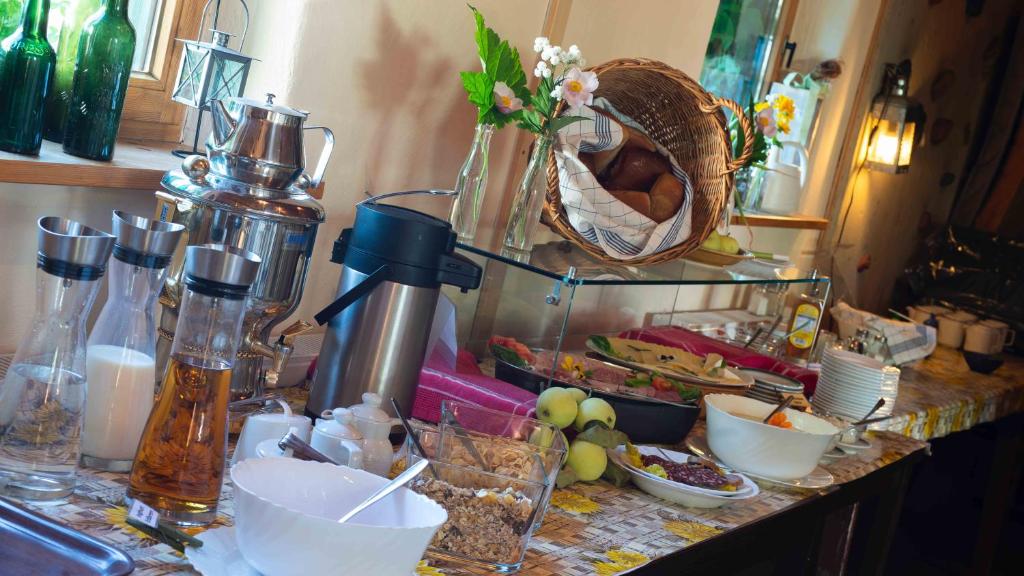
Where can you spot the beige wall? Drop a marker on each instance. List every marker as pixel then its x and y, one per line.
pixel 383 76
pixel 887 209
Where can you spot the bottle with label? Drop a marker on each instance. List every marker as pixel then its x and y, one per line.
pixel 804 323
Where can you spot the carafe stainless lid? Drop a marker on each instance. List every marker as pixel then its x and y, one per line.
pixel 145 236
pixel 71 249
pixel 221 264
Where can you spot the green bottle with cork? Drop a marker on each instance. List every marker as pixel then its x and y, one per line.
pixel 25 77
pixel 105 51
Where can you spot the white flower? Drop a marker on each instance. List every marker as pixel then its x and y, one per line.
pixel 578 87
pixel 550 53
pixel 505 99
pixel 556 93
pixel 542 70
pixel 540 43
pixel 554 60
pixel 546 73
pixel 574 51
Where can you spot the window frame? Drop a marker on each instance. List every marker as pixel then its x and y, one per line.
pixel 149 113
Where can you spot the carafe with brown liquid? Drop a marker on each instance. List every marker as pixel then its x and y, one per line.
pixel 179 466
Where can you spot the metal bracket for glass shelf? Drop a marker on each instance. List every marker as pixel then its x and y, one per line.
pixel 555 298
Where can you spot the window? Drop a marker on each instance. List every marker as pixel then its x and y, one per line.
pixel 741 47
pixel 149 114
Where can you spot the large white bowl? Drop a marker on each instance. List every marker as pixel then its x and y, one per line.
pixel 761 449
pixel 286 512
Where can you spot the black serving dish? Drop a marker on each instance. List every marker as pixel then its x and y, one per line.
pixel 982 363
pixel 644 421
pixel 32 544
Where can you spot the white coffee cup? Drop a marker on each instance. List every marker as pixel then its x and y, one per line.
pixel 922 314
pixel 269 426
pixel 952 327
pixel 992 334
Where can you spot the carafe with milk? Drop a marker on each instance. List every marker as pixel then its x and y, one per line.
pixel 121 350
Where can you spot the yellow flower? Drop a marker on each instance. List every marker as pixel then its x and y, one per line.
pixel 574 502
pixel 567 362
pixel 760 106
pixel 785 106
pixel 692 531
pixel 783 125
pixel 621 560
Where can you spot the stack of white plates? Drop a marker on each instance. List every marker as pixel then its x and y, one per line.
pixel 850 384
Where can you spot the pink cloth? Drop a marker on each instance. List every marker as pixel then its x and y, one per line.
pixel 699 344
pixel 468 384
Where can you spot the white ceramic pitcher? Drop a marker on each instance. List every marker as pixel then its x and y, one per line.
pixel 784 182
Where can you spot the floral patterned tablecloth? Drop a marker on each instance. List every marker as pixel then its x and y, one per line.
pixel 940 395
pixel 593 528
pixel 599 529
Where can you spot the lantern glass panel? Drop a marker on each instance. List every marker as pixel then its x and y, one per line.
pixel 890 148
pixel 228 77
pixel 192 76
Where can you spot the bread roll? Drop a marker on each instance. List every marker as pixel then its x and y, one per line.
pixel 639 201
pixel 666 198
pixel 636 169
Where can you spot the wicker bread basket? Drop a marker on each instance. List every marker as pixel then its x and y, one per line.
pixel 680 115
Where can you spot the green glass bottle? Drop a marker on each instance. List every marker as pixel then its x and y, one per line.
pixel 28 63
pixel 105 51
pixel 75 16
pixel 10 17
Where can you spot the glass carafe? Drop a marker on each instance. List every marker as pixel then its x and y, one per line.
pixel 42 396
pixel 120 357
pixel 179 468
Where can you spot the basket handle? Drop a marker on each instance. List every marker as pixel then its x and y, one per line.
pixel 745 127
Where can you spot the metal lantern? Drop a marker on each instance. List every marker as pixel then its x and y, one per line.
pixel 891 140
pixel 210 71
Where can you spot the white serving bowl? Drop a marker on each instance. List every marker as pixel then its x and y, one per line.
pixel 761 449
pixel 286 512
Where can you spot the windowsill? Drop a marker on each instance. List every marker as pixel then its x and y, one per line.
pixel 134 167
pixel 795 222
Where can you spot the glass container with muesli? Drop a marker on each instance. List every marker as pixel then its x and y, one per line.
pixel 490 516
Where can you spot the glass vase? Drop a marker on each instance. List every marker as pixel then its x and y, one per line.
pixel 471 185
pixel 528 202
pixel 105 51
pixel 75 15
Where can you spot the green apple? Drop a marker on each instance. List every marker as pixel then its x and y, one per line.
pixel 543 437
pixel 730 245
pixel 556 406
pixel 587 460
pixel 713 241
pixel 595 409
pixel 577 394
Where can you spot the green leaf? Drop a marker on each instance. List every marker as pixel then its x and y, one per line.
pixel 508 355
pixel 479 88
pixel 499 60
pixel 599 433
pixel 615 474
pixel 566 477
pixel 602 344
pixel 642 380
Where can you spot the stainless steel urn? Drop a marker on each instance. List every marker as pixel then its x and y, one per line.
pixel 394 261
pixel 220 204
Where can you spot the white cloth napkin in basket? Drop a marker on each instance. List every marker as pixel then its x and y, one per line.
pixel 599 217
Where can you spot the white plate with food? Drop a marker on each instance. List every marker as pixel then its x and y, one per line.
pixel 680 492
pixel 816 480
pixel 710 370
